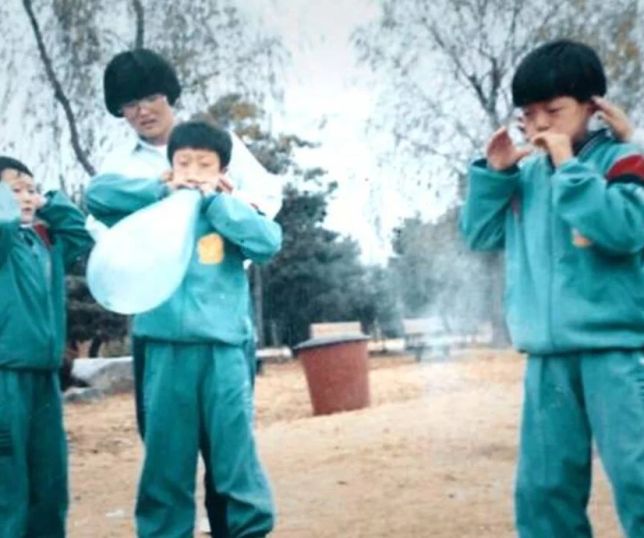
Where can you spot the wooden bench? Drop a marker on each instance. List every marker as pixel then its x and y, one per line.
pixel 274 354
pixel 336 328
pixel 431 335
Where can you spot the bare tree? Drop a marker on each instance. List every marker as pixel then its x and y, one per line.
pixel 59 92
pixel 445 66
pixel 215 51
pixel 215 45
pixel 444 69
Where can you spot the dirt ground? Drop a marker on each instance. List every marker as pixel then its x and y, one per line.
pixel 433 456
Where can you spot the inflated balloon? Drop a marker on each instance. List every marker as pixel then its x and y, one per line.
pixel 140 262
pixel 252 182
pixel 244 166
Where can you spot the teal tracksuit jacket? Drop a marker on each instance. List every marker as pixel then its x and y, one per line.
pixel 574 246
pixel 212 303
pixel 32 280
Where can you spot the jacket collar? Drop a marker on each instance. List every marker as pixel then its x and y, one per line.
pixel 590 140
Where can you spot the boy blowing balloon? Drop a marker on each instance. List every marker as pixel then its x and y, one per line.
pixel 197 384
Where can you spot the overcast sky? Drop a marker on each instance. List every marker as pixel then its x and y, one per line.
pixel 329 99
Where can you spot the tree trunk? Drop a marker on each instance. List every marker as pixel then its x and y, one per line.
pixel 258 304
pixel 95 347
pixel 500 334
pixel 59 93
pixel 139 39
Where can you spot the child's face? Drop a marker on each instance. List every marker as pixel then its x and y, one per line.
pixel 195 166
pixel 563 115
pixel 24 189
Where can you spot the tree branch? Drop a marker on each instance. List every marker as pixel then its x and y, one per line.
pixel 59 93
pixel 139 12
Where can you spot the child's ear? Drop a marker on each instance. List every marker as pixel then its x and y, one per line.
pixel 224 170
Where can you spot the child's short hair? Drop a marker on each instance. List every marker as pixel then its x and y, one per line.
pixel 135 74
pixel 560 68
pixel 201 135
pixel 9 163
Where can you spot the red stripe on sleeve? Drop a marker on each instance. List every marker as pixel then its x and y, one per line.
pixel 628 166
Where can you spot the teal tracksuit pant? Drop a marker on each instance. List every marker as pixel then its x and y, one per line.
pixel 571 400
pixel 199 395
pixel 215 503
pixel 33 455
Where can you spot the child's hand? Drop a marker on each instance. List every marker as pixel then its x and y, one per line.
pixel 206 186
pixel 224 185
pixel 501 151
pixel 557 145
pixel 219 184
pixel 616 119
pixel 175 183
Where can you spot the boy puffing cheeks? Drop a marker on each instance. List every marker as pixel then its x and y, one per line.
pixel 556 125
pixel 200 169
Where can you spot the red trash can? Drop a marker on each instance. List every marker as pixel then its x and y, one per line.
pixel 337 374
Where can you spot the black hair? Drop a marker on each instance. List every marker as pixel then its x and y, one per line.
pixel 197 134
pixel 135 74
pixel 561 68
pixel 9 163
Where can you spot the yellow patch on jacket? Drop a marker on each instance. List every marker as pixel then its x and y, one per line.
pixel 210 249
pixel 579 240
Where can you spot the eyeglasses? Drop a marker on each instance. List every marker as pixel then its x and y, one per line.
pixel 131 108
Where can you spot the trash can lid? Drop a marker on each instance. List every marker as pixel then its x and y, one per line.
pixel 331 340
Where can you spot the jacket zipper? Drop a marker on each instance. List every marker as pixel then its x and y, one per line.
pixel 590 143
pixel 36 251
pixel 552 254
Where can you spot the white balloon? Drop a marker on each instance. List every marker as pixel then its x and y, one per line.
pixel 139 262
pixel 252 182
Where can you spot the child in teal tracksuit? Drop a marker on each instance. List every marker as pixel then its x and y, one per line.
pixel 197 384
pixel 33 258
pixel 571 220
